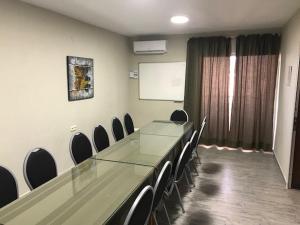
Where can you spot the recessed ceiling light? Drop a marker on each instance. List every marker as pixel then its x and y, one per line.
pixel 179 19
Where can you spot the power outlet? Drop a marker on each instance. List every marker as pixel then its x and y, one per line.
pixel 73 128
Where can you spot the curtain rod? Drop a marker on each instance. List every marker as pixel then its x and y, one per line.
pixel 233 36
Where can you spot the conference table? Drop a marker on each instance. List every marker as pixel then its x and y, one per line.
pixel 101 189
pixel 152 145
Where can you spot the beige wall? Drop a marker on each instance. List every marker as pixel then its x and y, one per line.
pixel 35 111
pixel 290 52
pixel 144 111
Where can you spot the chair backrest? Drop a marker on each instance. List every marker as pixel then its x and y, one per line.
pixel 187 115
pixel 117 129
pixel 128 124
pixel 182 161
pixel 80 148
pixel 140 211
pixel 39 167
pixel 8 187
pixel 194 139
pixel 179 115
pixel 161 184
pixel 100 138
pixel 201 131
pixel 204 120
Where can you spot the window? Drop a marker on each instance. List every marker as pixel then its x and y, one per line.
pixel 231 76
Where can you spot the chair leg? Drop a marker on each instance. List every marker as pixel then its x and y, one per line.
pixel 198 156
pixel 181 144
pixel 187 180
pixel 179 197
pixel 195 167
pixel 190 177
pixel 154 217
pixel 167 215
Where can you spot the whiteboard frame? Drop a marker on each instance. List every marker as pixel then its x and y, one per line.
pixel 163 100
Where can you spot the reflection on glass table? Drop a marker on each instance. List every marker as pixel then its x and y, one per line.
pixel 167 128
pixel 90 193
pixel 141 149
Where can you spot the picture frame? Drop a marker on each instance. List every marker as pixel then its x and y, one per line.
pixel 80 74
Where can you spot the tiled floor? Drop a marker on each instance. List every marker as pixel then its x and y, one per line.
pixel 236 188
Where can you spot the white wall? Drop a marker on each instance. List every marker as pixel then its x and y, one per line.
pixel 35 111
pixel 290 50
pixel 144 111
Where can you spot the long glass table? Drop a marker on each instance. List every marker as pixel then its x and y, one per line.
pixel 167 128
pixel 147 146
pixel 102 189
pixel 140 149
pixel 94 192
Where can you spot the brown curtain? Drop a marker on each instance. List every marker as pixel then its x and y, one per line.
pixel 206 87
pixel 253 100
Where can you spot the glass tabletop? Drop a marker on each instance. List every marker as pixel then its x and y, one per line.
pixel 90 193
pixel 140 149
pixel 166 128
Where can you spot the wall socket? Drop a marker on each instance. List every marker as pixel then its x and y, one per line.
pixel 73 128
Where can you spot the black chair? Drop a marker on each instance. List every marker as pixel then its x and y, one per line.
pixel 160 189
pixel 180 172
pixel 39 167
pixel 117 129
pixel 129 127
pixel 179 116
pixel 100 138
pixel 193 144
pixel 187 136
pixel 8 187
pixel 140 211
pixel 195 147
pixel 80 148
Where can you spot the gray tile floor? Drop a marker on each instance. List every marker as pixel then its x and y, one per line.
pixel 235 188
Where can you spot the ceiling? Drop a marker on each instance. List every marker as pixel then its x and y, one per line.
pixel 151 17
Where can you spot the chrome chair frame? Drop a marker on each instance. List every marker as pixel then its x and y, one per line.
pixel 125 123
pixel 93 139
pixel 14 176
pixel 70 146
pixel 174 181
pixel 112 129
pixel 136 202
pixel 167 164
pixel 25 165
pixel 203 124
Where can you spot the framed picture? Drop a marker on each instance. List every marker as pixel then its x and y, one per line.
pixel 80 78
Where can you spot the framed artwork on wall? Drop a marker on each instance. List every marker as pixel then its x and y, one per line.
pixel 80 78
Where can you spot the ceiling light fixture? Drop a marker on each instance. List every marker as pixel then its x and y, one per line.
pixel 179 19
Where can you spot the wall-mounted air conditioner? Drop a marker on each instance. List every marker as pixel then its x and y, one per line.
pixel 150 47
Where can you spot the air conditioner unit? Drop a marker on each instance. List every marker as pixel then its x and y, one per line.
pixel 150 47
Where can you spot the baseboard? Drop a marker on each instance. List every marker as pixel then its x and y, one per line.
pixel 278 164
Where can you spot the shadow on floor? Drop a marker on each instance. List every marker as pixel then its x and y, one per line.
pixel 211 168
pixel 173 205
pixel 209 188
pixel 193 216
pixel 198 217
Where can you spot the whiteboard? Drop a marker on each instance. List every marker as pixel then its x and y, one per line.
pixel 162 81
